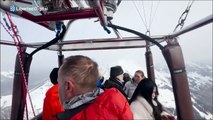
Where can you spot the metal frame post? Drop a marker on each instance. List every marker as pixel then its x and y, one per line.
pixel 175 61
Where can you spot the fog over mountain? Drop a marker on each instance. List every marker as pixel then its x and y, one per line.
pixel 199 77
pixel 200 82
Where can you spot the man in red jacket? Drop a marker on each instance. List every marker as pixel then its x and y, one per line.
pixel 80 96
pixel 52 106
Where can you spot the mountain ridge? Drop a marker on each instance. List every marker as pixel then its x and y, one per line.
pixel 199 78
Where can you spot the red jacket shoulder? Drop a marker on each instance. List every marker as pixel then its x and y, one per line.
pixel 109 105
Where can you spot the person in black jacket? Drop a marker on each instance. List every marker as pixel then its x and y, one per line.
pixel 115 79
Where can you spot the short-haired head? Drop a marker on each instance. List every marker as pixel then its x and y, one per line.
pixel 81 69
pixel 140 72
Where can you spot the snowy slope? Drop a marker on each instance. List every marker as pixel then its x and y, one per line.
pixel 8 74
pixel 199 77
pixel 37 96
pixel 200 83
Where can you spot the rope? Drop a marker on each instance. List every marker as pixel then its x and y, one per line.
pixel 17 43
pixel 150 16
pixel 140 15
pixel 20 59
pixel 20 63
pixel 19 48
pixel 154 15
pixel 144 14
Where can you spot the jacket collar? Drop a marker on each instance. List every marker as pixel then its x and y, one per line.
pixel 82 99
pixel 116 80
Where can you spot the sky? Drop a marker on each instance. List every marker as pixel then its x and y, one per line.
pixel 196 45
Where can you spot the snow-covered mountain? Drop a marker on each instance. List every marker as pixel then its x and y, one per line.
pixel 199 77
pixel 8 74
pixel 35 79
pixel 6 82
pixel 37 96
pixel 200 83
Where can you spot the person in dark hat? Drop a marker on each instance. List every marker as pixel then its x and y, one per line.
pixel 116 71
pixel 115 79
pixel 54 76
